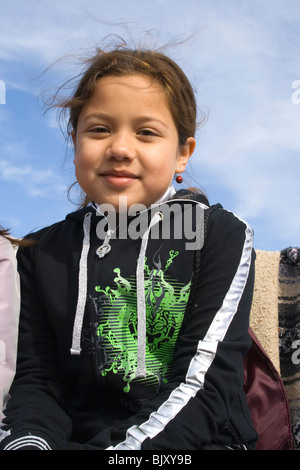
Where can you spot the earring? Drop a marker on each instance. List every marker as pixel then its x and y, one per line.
pixel 179 179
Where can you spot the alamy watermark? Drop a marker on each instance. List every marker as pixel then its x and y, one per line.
pixel 177 220
pixel 296 93
pixel 2 92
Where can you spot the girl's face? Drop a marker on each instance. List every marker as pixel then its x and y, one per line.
pixel 126 142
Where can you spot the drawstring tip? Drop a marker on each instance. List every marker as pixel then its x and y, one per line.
pixel 75 352
pixel 140 374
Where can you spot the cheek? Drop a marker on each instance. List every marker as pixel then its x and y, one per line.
pixel 166 167
pixel 163 159
pixel 84 157
pixel 82 166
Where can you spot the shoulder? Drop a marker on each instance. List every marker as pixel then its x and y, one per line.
pixel 227 234
pixel 75 217
pixel 54 235
pixel 219 217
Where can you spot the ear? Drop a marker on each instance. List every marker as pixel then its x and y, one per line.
pixel 185 152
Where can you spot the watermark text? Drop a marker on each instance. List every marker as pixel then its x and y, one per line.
pixel 296 353
pixel 296 93
pixel 174 221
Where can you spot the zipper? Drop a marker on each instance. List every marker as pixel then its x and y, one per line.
pixel 238 433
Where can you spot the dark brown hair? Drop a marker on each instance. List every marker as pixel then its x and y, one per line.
pixel 15 241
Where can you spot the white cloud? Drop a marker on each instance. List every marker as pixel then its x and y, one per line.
pixel 37 183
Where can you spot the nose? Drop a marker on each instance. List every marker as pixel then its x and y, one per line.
pixel 121 147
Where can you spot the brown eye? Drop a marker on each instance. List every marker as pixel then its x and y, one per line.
pixel 147 133
pixel 99 130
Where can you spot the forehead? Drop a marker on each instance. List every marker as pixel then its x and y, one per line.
pixel 139 84
pixel 128 96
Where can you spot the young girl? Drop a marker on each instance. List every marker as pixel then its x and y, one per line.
pixel 9 315
pixel 135 308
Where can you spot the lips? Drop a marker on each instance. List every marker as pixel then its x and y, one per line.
pixel 118 177
pixel 119 173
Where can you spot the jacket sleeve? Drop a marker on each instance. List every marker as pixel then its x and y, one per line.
pixel 34 418
pixel 9 317
pixel 206 390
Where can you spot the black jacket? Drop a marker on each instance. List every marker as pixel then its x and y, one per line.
pixel 141 348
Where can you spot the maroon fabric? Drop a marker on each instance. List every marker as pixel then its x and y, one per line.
pixel 267 400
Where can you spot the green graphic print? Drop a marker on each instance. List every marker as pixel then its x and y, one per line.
pixel 166 302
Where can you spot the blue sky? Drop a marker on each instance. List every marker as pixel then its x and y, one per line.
pixel 242 57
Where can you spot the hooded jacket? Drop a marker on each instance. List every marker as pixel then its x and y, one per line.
pixel 134 341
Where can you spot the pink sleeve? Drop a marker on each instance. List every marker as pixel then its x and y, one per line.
pixel 9 317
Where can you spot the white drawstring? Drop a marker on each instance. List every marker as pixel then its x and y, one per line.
pixel 82 286
pixel 141 304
